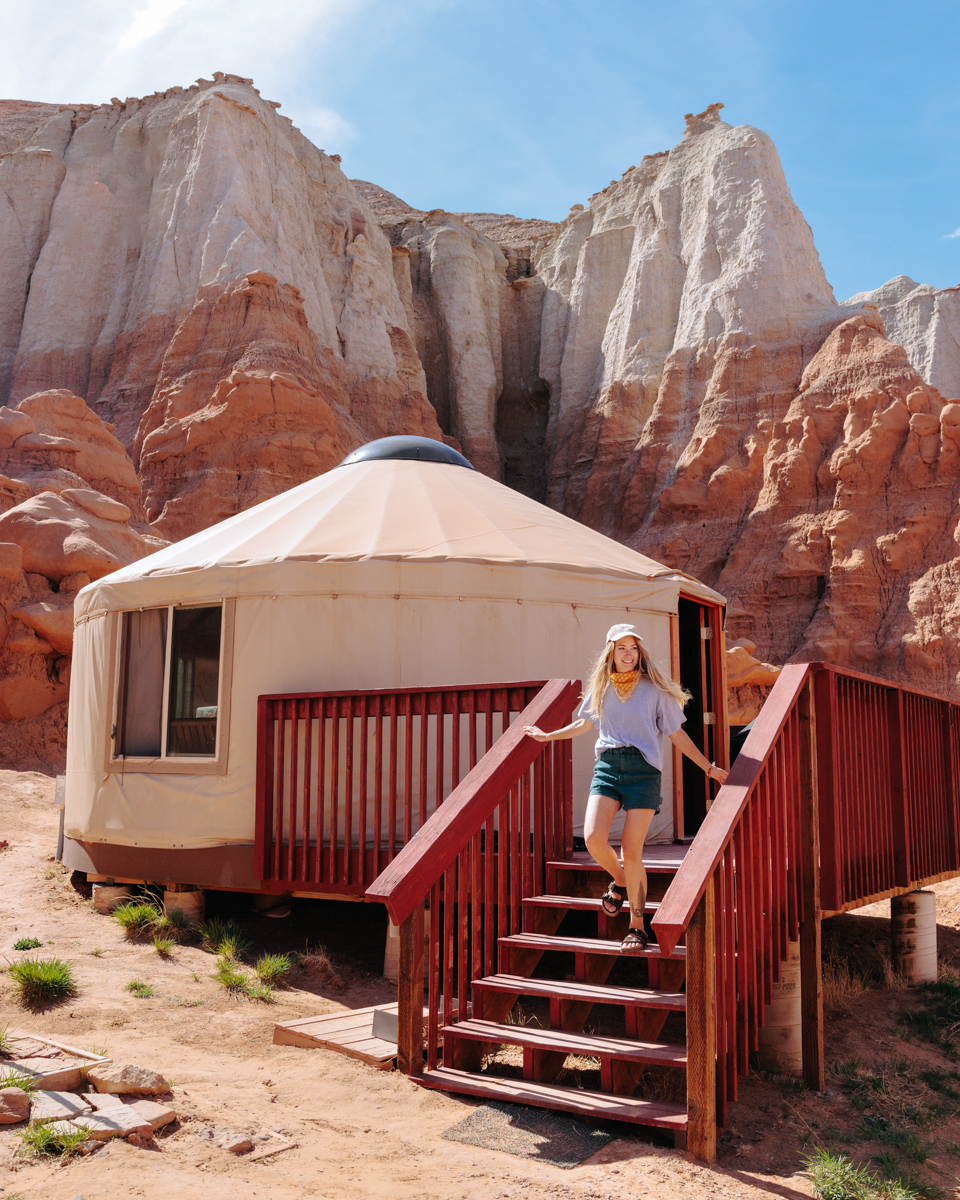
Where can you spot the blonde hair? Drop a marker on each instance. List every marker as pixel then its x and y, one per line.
pixel 604 666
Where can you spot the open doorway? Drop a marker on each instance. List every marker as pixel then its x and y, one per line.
pixel 699 633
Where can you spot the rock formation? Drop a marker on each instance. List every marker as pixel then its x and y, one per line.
pixel 925 321
pixel 197 302
pixel 155 248
pixel 69 503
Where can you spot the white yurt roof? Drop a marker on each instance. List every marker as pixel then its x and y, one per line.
pixel 390 510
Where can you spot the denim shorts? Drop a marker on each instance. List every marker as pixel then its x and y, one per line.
pixel 624 775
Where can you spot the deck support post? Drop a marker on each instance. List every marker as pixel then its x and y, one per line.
pixel 811 973
pixel 702 1031
pixel 410 994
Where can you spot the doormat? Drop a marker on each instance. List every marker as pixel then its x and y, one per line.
pixel 552 1137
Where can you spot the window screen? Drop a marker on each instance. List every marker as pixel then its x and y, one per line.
pixel 194 681
pixel 144 660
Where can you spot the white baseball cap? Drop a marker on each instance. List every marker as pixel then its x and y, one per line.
pixel 616 632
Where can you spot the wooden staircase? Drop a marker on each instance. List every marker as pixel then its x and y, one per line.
pixel 624 1058
pixel 845 792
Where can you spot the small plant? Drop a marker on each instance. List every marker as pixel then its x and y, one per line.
pixel 136 918
pixel 43 980
pixel 835 1177
pixel 38 1140
pixel 142 991
pixel 318 966
pixel 18 1079
pixel 272 968
pixel 230 976
pixel 843 986
pixel 163 946
pixel 28 943
pixel 174 924
pixel 6 1042
pixel 97 952
pixel 225 938
pixel 879 1129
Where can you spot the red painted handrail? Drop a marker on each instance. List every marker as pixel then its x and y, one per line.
pixel 688 885
pixel 406 881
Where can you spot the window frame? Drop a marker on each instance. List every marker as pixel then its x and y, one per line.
pixel 192 764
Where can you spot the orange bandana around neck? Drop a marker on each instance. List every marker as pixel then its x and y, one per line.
pixel 624 682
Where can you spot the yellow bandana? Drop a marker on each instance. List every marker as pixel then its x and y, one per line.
pixel 624 682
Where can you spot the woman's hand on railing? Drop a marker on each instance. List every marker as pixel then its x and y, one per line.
pixel 718 773
pixel 536 733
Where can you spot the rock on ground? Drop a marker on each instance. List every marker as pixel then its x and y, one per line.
pixel 127 1079
pixel 14 1105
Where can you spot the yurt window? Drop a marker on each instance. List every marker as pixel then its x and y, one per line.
pixel 170 681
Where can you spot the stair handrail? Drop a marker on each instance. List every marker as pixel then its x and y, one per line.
pixel 689 884
pixel 407 880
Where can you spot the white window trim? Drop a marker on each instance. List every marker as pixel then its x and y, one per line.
pixel 184 765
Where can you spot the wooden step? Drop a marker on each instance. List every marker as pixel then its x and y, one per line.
pixel 664 1054
pixel 660 860
pixel 582 904
pixel 596 1105
pixel 592 993
pixel 542 942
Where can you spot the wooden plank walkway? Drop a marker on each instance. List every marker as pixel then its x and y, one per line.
pixel 348 1032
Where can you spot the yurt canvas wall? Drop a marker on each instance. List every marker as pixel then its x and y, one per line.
pixel 376 575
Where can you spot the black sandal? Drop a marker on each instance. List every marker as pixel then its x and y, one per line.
pixel 635 941
pixel 612 899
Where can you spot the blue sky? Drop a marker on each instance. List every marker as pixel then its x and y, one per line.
pixel 529 106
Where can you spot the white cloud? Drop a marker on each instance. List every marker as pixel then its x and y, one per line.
pixel 148 22
pixel 67 51
pixel 325 127
pixel 955 234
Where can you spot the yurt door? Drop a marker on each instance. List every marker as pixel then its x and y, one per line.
pixel 699 638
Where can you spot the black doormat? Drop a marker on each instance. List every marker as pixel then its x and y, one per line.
pixel 539 1133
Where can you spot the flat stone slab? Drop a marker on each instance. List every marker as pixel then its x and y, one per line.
pixel 127 1080
pixel 157 1114
pixel 55 1106
pixel 115 1122
pixel 55 1074
pixel 99 1102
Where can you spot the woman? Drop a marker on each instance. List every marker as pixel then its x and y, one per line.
pixel 634 704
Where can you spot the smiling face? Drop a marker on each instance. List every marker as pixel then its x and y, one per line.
pixel 626 654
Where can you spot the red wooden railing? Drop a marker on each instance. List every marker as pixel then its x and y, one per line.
pixel 345 779
pixel 473 863
pixel 888 770
pixel 844 792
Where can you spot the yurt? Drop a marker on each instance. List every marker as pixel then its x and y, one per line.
pixel 403 567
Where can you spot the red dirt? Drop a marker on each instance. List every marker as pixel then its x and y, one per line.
pixel 360 1132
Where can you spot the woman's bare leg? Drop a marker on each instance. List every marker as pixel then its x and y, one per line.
pixel 596 833
pixel 636 825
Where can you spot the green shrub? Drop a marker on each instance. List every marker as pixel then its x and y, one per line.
pixel 175 924
pixel 43 980
pixel 273 968
pixel 28 943
pixel 163 946
pixel 137 917
pixel 37 1140
pixel 232 977
pixel 15 1078
pixel 225 938
pixel 6 1041
pixel 142 991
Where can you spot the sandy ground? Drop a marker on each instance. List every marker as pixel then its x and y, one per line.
pixel 359 1132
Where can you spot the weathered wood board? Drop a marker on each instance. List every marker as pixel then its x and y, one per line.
pixel 349 1032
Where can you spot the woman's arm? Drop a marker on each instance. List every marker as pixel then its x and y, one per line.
pixel 684 744
pixel 560 735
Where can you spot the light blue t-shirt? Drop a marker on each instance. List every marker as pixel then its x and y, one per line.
pixel 643 720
